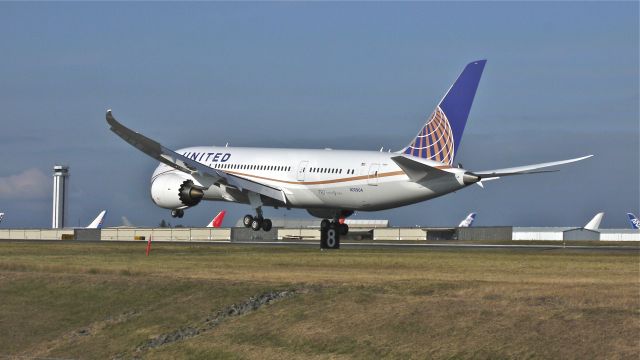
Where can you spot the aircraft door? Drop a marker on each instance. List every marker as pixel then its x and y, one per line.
pixel 302 169
pixel 372 178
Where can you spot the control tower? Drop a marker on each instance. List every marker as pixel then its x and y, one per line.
pixel 60 175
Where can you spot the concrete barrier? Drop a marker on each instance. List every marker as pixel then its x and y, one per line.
pixel 312 234
pixel 390 234
pixel 162 234
pixel 34 234
pixel 246 234
pixel 167 234
pixel 619 235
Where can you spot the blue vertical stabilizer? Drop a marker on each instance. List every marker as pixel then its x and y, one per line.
pixel 635 223
pixel 439 139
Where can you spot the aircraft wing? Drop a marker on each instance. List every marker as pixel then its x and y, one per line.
pixel 527 169
pixel 189 166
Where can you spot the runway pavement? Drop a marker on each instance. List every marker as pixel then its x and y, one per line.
pixel 555 245
pixel 450 246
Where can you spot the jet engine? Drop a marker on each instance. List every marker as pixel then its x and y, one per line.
pixel 172 191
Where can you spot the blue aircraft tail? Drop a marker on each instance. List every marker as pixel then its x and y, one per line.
pixel 439 139
pixel 635 223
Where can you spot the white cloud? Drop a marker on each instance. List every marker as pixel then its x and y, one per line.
pixel 29 184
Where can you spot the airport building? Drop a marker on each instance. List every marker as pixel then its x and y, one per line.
pixel 375 234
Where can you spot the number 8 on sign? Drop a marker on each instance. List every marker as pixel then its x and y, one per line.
pixel 331 238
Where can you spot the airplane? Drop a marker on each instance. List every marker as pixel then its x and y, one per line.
pixel 97 222
pixel 635 223
pixel 468 221
pixel 1 217
pixel 216 222
pixel 594 224
pixel 329 184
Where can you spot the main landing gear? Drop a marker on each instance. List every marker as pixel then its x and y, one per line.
pixel 177 213
pixel 256 223
pixel 326 224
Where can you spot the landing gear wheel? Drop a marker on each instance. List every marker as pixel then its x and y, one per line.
pixel 324 224
pixel 256 224
pixel 179 213
pixel 266 224
pixel 344 229
pixel 247 220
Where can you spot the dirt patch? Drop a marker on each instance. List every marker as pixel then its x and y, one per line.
pixel 213 320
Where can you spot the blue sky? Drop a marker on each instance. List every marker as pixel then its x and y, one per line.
pixel 561 81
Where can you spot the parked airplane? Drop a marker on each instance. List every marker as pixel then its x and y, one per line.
pixel 468 221
pixel 635 223
pixel 329 184
pixel 216 222
pixel 97 222
pixel 594 224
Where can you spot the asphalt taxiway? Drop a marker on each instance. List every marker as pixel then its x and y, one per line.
pixel 378 245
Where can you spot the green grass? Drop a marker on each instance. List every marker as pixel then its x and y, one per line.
pixel 103 300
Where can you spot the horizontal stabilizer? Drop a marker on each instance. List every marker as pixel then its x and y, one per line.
pixel 527 169
pixel 418 171
pixel 189 166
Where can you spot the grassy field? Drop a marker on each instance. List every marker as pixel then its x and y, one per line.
pixel 106 300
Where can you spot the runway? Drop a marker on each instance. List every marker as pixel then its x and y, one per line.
pixel 387 245
pixel 373 245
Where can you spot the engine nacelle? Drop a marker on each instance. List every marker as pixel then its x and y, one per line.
pixel 172 191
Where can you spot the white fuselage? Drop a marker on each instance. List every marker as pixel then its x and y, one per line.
pixel 320 179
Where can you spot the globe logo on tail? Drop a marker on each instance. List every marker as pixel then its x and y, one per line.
pixel 435 140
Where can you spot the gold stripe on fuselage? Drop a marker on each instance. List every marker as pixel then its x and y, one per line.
pixel 332 181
